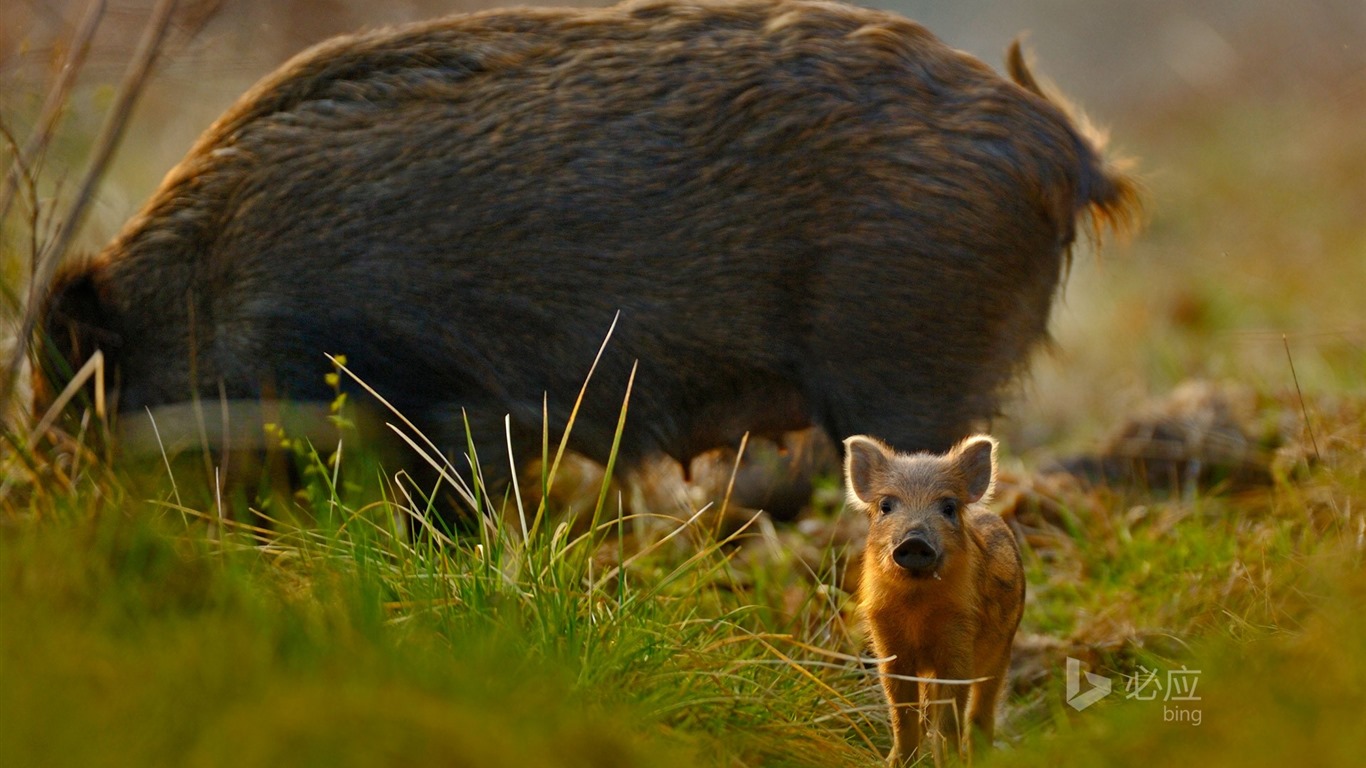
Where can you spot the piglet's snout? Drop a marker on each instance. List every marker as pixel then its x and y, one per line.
pixel 916 554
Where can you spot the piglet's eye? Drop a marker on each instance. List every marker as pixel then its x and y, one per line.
pixel 885 506
pixel 949 508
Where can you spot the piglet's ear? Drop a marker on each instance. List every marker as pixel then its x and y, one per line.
pixel 865 458
pixel 976 459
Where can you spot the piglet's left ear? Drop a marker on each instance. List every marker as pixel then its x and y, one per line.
pixel 976 459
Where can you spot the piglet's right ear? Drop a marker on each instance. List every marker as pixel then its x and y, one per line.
pixel 865 458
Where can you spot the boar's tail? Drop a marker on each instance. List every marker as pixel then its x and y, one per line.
pixel 1109 194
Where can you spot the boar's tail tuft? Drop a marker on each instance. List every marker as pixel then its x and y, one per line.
pixel 1109 194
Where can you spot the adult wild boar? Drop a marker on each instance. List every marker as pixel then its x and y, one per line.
pixel 805 212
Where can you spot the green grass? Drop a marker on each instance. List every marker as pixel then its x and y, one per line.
pixel 1282 694
pixel 138 639
pixel 135 634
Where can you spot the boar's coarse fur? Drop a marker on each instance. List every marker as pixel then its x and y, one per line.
pixel 805 212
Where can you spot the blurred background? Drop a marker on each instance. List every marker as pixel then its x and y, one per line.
pixel 1247 119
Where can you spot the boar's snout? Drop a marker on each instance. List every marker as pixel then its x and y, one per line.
pixel 917 555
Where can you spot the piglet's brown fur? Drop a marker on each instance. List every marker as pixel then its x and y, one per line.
pixel 942 587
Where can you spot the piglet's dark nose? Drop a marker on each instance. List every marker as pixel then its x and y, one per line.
pixel 914 554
